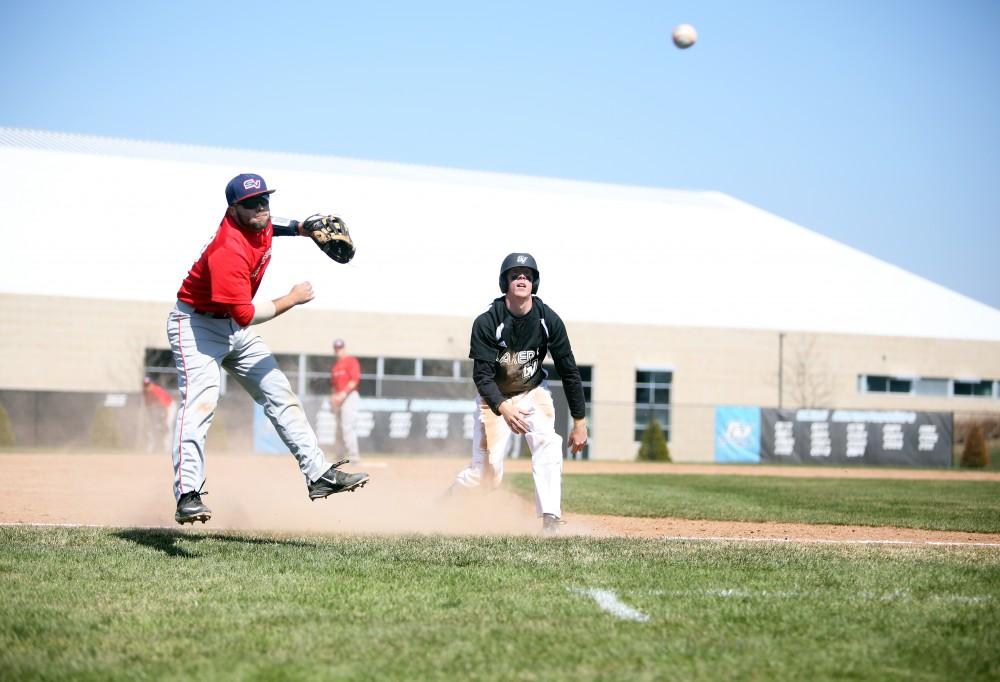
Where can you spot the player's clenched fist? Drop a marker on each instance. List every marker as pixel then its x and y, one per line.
pixel 302 293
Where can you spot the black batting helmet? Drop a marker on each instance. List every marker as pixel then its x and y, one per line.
pixel 519 260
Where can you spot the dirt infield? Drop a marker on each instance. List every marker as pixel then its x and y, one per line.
pixel 405 495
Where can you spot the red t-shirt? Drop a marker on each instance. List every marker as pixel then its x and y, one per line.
pixel 157 394
pixel 347 370
pixel 229 270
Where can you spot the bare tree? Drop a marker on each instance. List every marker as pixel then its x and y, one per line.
pixel 806 377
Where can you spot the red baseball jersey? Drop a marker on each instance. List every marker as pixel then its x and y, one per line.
pixel 157 394
pixel 347 370
pixel 229 270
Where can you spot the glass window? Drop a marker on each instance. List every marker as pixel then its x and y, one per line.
pixel 160 367
pixel 876 384
pixel 931 387
pixel 900 385
pixel 652 400
pixel 982 389
pixel 400 367
pixel 367 387
pixel 287 362
pixel 439 368
pixel 651 377
pixel 318 385
pixel 159 357
pixel 319 363
pixel 465 369
pixel 644 415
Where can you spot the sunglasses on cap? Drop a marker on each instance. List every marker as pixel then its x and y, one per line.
pixel 255 202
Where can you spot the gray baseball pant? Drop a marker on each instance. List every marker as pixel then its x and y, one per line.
pixel 202 347
pixel 346 440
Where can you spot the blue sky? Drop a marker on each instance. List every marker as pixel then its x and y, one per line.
pixel 872 122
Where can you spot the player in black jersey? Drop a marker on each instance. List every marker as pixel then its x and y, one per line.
pixel 509 344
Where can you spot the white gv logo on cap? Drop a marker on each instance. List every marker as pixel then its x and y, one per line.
pixel 522 259
pixel 252 183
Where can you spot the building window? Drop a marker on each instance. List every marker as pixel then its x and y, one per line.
pixel 883 384
pixel 944 388
pixel 564 423
pixel 652 400
pixel 438 368
pixel 977 389
pixel 938 387
pixel 403 367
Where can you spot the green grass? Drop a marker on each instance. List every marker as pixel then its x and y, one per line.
pixel 155 604
pixel 970 506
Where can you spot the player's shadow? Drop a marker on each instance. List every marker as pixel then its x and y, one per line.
pixel 166 540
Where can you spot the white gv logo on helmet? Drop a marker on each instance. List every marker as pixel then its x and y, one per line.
pixel 522 259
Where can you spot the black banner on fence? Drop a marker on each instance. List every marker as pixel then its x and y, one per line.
pixel 872 437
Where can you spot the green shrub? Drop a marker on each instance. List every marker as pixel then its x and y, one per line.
pixel 6 430
pixel 654 445
pixel 975 454
pixel 104 432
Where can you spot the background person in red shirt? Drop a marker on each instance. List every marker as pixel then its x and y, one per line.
pixel 345 376
pixel 161 409
pixel 209 331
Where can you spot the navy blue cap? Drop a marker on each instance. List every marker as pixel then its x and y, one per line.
pixel 244 186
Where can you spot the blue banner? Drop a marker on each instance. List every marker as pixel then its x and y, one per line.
pixel 737 434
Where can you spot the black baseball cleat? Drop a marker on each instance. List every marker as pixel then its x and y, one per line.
pixel 551 524
pixel 336 481
pixel 190 509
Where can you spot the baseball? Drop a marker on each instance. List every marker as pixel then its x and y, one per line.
pixel 684 36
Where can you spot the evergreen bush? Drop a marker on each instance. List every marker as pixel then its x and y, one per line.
pixel 975 455
pixel 654 445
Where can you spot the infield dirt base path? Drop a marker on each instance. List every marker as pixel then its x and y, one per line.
pixel 265 493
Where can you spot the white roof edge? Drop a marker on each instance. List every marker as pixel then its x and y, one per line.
pixel 726 199
pixel 83 143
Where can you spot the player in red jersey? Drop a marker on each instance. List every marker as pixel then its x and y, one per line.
pixel 210 330
pixel 345 377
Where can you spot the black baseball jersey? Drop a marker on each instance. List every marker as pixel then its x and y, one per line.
pixel 509 352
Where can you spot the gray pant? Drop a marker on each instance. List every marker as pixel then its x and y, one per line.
pixel 346 440
pixel 202 348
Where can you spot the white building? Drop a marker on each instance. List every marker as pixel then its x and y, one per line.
pixel 710 298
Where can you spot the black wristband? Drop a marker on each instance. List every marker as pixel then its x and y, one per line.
pixel 284 227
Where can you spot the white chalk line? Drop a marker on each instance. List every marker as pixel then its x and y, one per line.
pixel 896 595
pixel 609 602
pixel 829 541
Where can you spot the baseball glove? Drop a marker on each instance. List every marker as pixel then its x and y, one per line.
pixel 331 236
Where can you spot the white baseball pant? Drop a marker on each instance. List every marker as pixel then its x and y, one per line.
pixel 491 434
pixel 203 347
pixel 346 440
